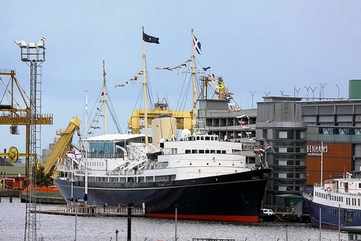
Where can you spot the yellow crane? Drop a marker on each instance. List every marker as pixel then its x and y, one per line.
pixel 136 120
pixel 62 145
pixel 13 114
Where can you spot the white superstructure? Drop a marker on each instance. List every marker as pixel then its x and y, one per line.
pixel 339 193
pixel 195 156
pixel 202 156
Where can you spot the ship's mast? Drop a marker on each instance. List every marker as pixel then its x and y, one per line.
pixel 85 198
pixel 104 107
pixel 104 100
pixel 145 91
pixel 194 85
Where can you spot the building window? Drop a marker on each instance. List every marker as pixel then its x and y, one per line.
pixel 194 151
pixel 326 131
pixel 357 132
pixel 264 133
pixel 282 134
pixel 282 149
pixel 188 151
pixel 282 162
pixel 282 188
pixel 343 131
pixel 282 175
pixel 298 134
pixel 201 151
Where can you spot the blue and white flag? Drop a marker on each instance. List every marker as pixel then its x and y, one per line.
pixel 197 45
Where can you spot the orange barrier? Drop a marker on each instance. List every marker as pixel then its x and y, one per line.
pixel 49 189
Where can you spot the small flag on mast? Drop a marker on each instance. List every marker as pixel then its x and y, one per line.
pixel 150 39
pixel 197 45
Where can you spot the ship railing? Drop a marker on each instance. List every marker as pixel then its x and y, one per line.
pixel 211 239
pixel 104 155
pixel 340 191
pixel 307 196
pixel 103 210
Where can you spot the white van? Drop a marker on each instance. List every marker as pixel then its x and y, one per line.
pixel 267 212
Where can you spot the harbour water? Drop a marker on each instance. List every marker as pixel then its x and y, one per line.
pixel 61 228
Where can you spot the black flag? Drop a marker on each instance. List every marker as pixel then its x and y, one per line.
pixel 150 39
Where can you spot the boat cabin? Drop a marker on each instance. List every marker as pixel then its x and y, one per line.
pixel 111 145
pixel 201 144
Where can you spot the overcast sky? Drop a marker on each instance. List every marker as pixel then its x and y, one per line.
pixel 256 46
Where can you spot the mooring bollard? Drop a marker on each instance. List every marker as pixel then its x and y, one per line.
pixel 129 230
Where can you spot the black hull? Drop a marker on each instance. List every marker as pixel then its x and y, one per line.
pixel 234 197
pixel 333 217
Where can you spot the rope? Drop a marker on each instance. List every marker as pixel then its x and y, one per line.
pixel 92 115
pixel 181 92
pixel 186 94
pixel 138 97
pixel 113 114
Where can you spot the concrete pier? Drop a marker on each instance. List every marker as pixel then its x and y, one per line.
pixel 93 211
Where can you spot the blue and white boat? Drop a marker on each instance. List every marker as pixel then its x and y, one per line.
pixel 337 202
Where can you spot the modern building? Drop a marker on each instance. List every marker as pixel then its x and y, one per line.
pixel 281 131
pixel 299 134
pixel 335 128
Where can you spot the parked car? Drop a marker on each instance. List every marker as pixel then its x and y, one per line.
pixel 267 212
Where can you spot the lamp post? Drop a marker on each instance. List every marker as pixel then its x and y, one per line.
pixel 34 55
